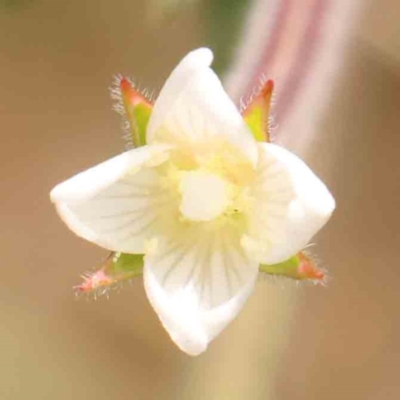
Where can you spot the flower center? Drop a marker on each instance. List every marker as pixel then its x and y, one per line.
pixel 205 196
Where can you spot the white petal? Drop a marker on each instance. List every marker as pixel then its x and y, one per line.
pixel 291 205
pixel 197 286
pixel 118 203
pixel 193 108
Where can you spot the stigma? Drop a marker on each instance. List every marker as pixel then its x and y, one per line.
pixel 204 195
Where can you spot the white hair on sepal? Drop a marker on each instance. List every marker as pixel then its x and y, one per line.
pixel 101 291
pixel 287 280
pixel 272 128
pixel 316 260
pixel 145 92
pixel 272 124
pixel 116 95
pixel 244 103
pixel 148 94
pixel 119 108
pixel 153 96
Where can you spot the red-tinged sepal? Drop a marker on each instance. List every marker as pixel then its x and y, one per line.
pixel 257 112
pixel 308 270
pixel 299 267
pixel 118 267
pixel 134 106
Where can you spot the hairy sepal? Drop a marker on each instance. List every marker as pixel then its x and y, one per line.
pixel 118 267
pixel 135 107
pixel 299 267
pixel 257 112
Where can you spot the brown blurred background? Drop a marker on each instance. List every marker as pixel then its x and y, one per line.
pixel 57 60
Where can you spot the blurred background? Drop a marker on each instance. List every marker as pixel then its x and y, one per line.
pixel 336 67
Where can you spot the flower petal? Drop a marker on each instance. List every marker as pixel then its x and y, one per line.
pixel 291 205
pixel 197 285
pixel 118 203
pixel 193 108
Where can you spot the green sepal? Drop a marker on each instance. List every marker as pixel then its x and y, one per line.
pixel 141 115
pixel 137 109
pixel 253 120
pixel 288 268
pixel 118 267
pixel 257 112
pixel 298 267
pixel 126 266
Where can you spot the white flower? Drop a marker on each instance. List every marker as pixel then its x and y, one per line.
pixel 202 200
